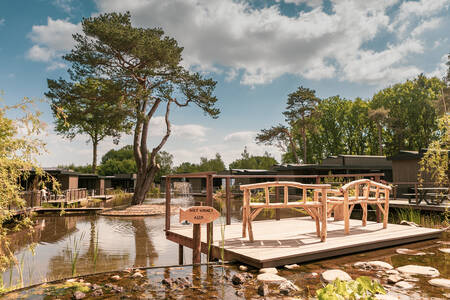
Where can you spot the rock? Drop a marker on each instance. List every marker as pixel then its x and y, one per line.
pixel 287 286
pixel 409 252
pixel 404 285
pixel 243 268
pixel 239 293
pixel 137 275
pixel 445 250
pixel 314 274
pixel 392 272
pixel 115 277
pixel 263 290
pixel 443 242
pixel 373 265
pixel 79 295
pixel 403 222
pixel 418 270
pixel 270 278
pixel 97 293
pixel 331 275
pixel 268 270
pixel 292 267
pixel 440 282
pixel 394 278
pixel 238 279
pixel 96 286
pixel 167 281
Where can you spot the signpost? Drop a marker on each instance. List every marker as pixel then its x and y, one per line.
pixel 198 215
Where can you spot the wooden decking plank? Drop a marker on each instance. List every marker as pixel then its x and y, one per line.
pixel 295 239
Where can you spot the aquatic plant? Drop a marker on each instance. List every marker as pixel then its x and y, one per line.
pixel 74 251
pixel 361 288
pixel 95 254
pixel 423 219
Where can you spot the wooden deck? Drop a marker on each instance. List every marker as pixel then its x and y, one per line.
pixel 294 240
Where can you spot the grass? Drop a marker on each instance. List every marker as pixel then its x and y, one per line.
pixel 431 220
pixel 121 198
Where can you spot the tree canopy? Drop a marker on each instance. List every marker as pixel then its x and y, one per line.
pixel 400 117
pixel 148 66
pixel 92 106
pixel 214 164
pixel 248 161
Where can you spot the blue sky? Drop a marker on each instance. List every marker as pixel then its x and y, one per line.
pixel 257 51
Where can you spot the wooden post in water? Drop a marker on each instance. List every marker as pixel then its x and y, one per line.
pixel 180 254
pixel 196 245
pixel 228 199
pixel 167 203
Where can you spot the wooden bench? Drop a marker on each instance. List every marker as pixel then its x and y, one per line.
pixel 313 201
pixel 362 192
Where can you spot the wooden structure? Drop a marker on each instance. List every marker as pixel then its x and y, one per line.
pixel 362 192
pixel 313 201
pixel 198 215
pixel 294 240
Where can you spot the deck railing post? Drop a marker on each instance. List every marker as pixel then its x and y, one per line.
pixel 209 202
pixel 228 199
pixel 167 204
pixel 277 199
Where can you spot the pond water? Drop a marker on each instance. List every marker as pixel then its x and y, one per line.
pixel 124 242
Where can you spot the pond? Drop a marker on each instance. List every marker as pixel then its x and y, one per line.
pixel 124 242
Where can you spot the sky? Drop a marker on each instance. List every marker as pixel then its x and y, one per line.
pixel 257 51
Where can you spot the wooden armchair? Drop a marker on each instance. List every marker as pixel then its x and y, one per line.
pixel 362 192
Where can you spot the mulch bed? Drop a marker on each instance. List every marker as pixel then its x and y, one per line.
pixel 140 210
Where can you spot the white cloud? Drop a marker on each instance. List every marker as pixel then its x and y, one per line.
pixel 441 68
pixel 410 11
pixel 51 41
pixel 187 131
pixel 258 45
pixel 38 53
pixel 426 25
pixel 262 44
pixel 2 21
pixel 310 3
pixel 65 5
pixel 240 136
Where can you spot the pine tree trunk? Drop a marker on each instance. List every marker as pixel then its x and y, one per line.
pixel 94 156
pixel 380 146
pixel 304 146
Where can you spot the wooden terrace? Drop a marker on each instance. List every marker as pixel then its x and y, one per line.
pixel 294 240
pixel 286 241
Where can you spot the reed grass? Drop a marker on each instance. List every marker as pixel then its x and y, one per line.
pixel 74 251
pixel 430 220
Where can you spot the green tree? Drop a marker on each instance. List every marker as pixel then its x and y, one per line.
pixel 19 147
pixel 282 137
pixel 248 161
pixel 79 169
pixel 92 106
pixel 215 164
pixel 148 64
pixel 300 109
pixel 412 119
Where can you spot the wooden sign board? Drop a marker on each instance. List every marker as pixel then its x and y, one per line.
pixel 199 214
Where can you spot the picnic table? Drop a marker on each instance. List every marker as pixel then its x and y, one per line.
pixel 431 195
